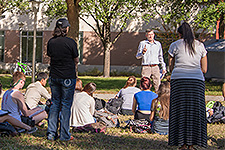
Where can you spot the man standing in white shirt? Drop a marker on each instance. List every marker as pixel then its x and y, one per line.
pixel 36 90
pixel 151 53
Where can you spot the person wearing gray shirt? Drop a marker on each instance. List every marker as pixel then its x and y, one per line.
pixel 127 93
pixel 151 53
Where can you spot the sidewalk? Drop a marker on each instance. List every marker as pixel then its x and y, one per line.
pixel 207 98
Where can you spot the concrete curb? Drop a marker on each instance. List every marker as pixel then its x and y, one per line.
pixel 207 97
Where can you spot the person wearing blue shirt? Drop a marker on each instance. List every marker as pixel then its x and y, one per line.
pixel 143 100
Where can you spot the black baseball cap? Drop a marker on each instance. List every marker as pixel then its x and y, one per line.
pixel 62 22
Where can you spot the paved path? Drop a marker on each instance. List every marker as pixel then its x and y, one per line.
pixel 208 98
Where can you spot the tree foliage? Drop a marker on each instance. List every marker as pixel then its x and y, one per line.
pixel 55 9
pixel 18 6
pixel 108 13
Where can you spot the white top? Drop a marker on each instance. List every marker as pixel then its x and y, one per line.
pixel 153 55
pixel 33 94
pixel 82 109
pixel 187 66
pixel 128 95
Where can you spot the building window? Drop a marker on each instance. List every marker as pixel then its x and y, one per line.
pixel 27 46
pixel 2 45
pixel 80 48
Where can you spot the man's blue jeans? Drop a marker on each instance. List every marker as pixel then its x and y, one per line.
pixel 60 110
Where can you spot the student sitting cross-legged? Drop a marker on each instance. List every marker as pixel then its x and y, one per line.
pixel 83 106
pixel 127 93
pixel 143 100
pixel 160 110
pixel 14 122
pixel 13 101
pixel 36 90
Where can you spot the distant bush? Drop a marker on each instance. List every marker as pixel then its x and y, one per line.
pixel 96 72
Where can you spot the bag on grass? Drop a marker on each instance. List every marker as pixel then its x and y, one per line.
pixel 28 120
pixel 98 127
pixel 114 105
pixel 6 129
pixel 99 103
pixel 218 113
pixel 108 118
pixel 139 126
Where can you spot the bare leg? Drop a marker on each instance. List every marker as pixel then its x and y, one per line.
pixel 39 117
pixel 14 122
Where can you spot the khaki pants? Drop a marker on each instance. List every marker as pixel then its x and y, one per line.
pixel 152 73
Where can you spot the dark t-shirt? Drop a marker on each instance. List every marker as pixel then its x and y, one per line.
pixel 62 51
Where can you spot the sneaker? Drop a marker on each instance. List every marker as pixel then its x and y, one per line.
pixel 20 130
pixel 71 138
pixel 32 130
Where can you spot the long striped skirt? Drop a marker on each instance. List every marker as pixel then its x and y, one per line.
pixel 187 121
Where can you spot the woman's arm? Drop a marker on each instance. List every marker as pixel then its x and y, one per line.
pixel 171 62
pixel 153 109
pixel 134 106
pixel 203 63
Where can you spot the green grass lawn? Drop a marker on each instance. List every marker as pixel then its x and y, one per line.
pixel 114 138
pixel 113 84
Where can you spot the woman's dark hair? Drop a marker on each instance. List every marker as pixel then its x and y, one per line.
pixel 145 83
pixel 188 36
pixel 42 75
pixel 164 99
pixel 90 88
pixel 131 81
pixel 59 31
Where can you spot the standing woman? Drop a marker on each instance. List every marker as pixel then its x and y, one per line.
pixel 63 53
pixel 188 62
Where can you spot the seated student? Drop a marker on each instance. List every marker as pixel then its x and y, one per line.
pixel 83 107
pixel 36 90
pixel 17 124
pixel 161 118
pixel 127 93
pixel 14 122
pixel 13 101
pixel 78 89
pixel 143 100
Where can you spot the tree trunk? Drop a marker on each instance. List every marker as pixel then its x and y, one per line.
pixel 73 10
pixel 106 72
pixel 107 47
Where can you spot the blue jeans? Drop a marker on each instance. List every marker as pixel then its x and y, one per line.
pixel 60 110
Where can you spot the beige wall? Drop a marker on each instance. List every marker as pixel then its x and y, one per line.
pixel 122 54
pixel 12 50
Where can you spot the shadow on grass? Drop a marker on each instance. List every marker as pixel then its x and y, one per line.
pixel 220 143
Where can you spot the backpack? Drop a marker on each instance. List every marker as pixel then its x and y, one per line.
pixel 108 118
pixel 114 105
pixel 99 103
pixel 139 126
pixel 6 129
pixel 218 113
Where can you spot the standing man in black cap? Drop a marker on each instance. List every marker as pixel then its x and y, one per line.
pixel 63 53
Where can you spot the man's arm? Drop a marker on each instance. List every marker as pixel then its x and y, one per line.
pixel 141 51
pixel 19 99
